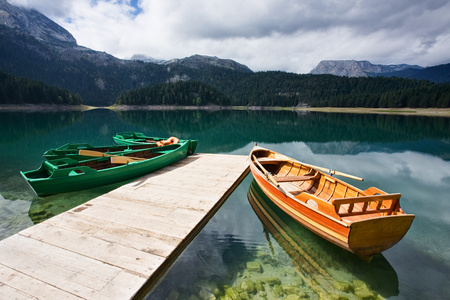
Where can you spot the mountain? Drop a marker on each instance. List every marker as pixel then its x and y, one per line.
pixel 196 62
pixel 437 74
pixel 34 24
pixel 33 46
pixel 353 68
pixel 202 61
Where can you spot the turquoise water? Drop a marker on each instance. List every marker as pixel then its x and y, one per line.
pixel 239 248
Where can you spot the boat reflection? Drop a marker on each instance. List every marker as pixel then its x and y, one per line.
pixel 327 269
pixel 43 208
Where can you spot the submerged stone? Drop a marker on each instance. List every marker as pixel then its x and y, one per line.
pixel 343 286
pixel 259 286
pixel 277 290
pixel 362 290
pixel 248 286
pixel 173 295
pixel 253 266
pixel 271 280
pixel 289 289
pixel 232 294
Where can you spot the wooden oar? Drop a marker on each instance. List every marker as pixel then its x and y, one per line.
pixel 85 152
pixel 268 175
pixel 333 172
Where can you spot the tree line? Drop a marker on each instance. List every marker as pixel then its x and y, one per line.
pixel 18 90
pixel 185 93
pixel 290 90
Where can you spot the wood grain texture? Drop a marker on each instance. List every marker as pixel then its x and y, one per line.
pixel 120 243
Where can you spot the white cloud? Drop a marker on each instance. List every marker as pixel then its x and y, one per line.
pixel 263 34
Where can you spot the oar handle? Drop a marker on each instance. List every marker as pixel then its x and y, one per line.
pixel 346 175
pixel 333 172
pixel 268 175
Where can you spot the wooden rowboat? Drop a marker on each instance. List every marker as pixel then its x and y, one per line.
pixel 67 174
pixel 363 222
pixel 137 138
pixel 315 261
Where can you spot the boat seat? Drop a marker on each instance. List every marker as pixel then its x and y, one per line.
pixel 271 160
pixel 291 178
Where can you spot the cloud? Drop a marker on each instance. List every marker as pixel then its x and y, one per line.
pixel 284 35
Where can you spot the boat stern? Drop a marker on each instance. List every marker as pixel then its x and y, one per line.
pixel 372 236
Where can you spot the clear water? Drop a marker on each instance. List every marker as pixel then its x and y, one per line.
pixel 243 250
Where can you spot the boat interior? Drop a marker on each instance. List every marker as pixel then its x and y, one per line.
pixel 324 192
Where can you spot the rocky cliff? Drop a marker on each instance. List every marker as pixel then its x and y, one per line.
pixel 352 68
pixel 33 46
pixel 35 24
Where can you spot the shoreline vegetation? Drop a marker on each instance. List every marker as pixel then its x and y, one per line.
pixel 433 112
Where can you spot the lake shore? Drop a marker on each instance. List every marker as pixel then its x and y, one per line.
pixel 44 107
pixel 434 112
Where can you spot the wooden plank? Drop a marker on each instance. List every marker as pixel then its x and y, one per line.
pixel 110 253
pixel 70 272
pixel 136 238
pixel 13 287
pixel 120 243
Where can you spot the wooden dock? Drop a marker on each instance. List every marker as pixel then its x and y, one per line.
pixel 118 245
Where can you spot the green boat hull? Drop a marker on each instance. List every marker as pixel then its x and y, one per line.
pixel 72 150
pixel 137 138
pixel 68 175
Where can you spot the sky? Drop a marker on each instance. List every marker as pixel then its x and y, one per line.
pixel 285 35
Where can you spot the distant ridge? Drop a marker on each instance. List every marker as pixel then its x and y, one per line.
pixel 437 74
pixel 353 68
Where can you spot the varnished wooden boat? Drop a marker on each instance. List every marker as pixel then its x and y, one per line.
pixel 138 138
pixel 363 222
pixel 67 174
pixel 315 260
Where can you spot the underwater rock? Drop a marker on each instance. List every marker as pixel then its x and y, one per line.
pixel 277 290
pixel 232 294
pixel 259 286
pixel 271 281
pixel 248 286
pixel 343 286
pixel 207 285
pixel 206 295
pixel 362 290
pixel 292 297
pixel 173 295
pixel 289 289
pixel 254 266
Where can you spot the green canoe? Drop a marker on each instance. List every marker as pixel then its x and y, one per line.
pixel 73 150
pixel 137 138
pixel 68 174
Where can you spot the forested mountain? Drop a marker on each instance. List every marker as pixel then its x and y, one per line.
pixel 289 90
pixel 34 47
pixel 16 90
pixel 186 93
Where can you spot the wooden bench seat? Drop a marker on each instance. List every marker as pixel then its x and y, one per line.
pixel 386 203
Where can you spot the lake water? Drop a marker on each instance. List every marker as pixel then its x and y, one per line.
pixel 263 255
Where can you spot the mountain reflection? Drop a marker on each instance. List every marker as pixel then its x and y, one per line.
pixel 228 130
